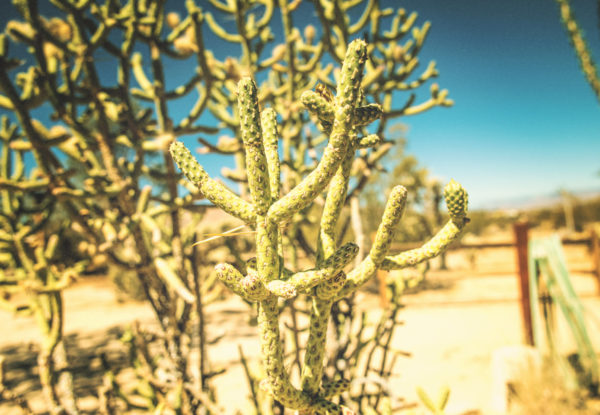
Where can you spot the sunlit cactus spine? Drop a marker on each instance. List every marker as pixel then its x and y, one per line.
pixel 268 214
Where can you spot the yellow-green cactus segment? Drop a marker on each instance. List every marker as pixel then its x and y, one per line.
pixel 328 289
pixel 329 268
pixel 313 184
pixel 430 249
pixel 367 114
pixel 369 141
pixel 320 108
pixel 214 191
pixel 267 258
pixel 457 201
pixel 268 119
pixel 312 371
pixel 253 288
pixel 336 196
pixel 383 238
pixel 335 388
pixel 282 289
pixel 389 221
pixel 231 277
pixel 324 407
pixel 256 160
pixel 272 353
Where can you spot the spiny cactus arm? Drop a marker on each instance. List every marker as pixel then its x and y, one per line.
pixel 282 289
pixel 329 288
pixel 430 249
pixel 270 141
pixel 267 256
pixel 253 288
pixel 368 141
pixel 580 46
pixel 232 278
pixel 391 216
pixel 318 105
pixel 366 114
pixel 383 239
pixel 336 197
pixel 278 381
pixel 214 191
pixel 256 160
pixel 334 388
pixel 305 192
pixel 329 268
pixel 325 407
pixel 457 203
pixel 312 371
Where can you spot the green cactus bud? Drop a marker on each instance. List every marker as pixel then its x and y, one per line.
pixel 456 201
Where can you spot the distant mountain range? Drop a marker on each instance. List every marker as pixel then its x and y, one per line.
pixel 536 202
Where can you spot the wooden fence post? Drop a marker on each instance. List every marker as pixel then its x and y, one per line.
pixel 521 243
pixel 595 242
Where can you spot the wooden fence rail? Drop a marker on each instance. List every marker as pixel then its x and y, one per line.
pixel 520 244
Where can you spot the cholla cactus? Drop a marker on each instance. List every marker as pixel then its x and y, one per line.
pixel 112 130
pixel 586 61
pixel 327 282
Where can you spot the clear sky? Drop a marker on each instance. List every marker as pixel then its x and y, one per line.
pixel 525 123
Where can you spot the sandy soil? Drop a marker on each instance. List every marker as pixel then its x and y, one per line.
pixel 451 331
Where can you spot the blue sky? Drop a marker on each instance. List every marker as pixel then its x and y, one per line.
pixel 525 123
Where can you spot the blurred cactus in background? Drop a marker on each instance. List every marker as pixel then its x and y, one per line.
pixel 582 50
pixel 96 90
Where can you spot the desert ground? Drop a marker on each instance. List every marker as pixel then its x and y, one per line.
pixel 451 328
